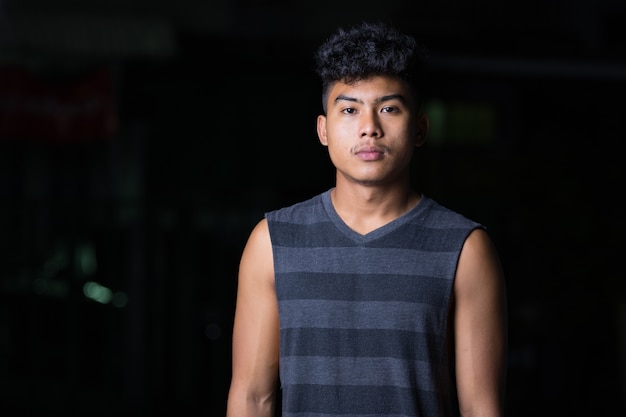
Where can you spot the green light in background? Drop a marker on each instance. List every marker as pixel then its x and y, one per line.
pixel 103 295
pixel 436 112
pixel 461 122
pixel 119 299
pixel 86 262
pixel 97 292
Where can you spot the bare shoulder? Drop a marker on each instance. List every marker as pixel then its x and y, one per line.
pixel 260 234
pixel 480 244
pixel 479 262
pixel 256 260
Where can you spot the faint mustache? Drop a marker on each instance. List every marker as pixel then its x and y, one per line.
pixel 370 148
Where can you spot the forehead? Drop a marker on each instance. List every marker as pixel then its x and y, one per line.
pixel 372 89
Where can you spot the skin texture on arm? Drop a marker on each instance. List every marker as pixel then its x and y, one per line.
pixel 480 328
pixel 255 332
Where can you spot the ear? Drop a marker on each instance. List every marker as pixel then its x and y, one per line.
pixel 321 130
pixel 423 123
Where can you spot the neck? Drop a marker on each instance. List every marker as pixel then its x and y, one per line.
pixel 367 208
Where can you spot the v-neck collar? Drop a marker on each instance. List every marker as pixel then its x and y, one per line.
pixel 416 211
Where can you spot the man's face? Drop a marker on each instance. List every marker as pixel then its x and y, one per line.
pixel 371 129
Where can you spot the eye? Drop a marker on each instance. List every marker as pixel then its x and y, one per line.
pixel 389 109
pixel 348 110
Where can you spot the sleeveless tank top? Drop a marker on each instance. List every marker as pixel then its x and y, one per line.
pixel 364 319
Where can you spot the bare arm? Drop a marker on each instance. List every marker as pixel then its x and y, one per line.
pixel 255 332
pixel 480 328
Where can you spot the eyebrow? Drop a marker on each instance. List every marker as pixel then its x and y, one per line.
pixel 382 99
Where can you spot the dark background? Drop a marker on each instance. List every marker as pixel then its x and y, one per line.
pixel 141 141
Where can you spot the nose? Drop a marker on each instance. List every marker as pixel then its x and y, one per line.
pixel 370 125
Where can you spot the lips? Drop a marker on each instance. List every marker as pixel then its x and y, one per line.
pixel 370 153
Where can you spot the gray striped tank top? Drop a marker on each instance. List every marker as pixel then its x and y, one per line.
pixel 364 318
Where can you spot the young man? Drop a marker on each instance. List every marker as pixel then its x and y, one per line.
pixel 369 299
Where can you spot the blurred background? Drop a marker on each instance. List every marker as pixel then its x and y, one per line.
pixel 141 140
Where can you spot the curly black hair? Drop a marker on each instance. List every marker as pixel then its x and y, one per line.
pixel 366 50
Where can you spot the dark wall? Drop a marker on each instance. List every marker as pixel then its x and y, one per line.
pixel 159 211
